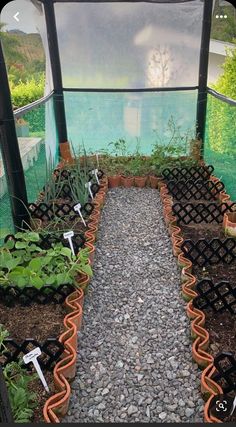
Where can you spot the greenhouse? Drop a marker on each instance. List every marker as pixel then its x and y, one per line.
pixel 117 211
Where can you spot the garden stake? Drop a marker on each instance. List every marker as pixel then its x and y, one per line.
pixel 32 357
pixel 68 235
pixel 95 172
pixel 77 209
pixel 88 185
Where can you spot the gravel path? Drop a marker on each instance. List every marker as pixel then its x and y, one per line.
pixel 135 360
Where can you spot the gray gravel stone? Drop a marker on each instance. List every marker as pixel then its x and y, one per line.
pixel 134 355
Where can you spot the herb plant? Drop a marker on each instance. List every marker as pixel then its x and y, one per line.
pixel 17 380
pixel 24 263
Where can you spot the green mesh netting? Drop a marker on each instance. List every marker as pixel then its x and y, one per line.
pixel 220 141
pixel 140 118
pixel 6 223
pixel 38 145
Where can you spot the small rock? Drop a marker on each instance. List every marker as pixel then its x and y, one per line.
pixel 132 409
pixel 189 412
pixel 105 391
pixel 150 360
pixel 162 415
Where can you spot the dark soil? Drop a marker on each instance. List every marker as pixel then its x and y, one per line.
pixel 203 231
pixel 222 330
pixel 41 395
pixel 35 321
pixel 216 272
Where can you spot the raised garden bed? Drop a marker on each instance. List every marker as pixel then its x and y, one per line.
pixel 194 214
pixel 49 315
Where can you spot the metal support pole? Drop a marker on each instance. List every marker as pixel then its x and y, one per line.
pixel 11 153
pixel 203 70
pixel 56 71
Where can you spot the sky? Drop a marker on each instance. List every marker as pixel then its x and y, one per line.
pixel 26 16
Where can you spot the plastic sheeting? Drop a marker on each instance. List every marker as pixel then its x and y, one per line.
pixel 129 45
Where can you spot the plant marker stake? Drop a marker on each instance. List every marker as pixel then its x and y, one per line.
pixel 97 154
pixel 88 185
pixel 77 209
pixel 95 172
pixel 233 407
pixel 32 357
pixel 68 235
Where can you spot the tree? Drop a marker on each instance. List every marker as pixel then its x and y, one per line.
pixel 226 83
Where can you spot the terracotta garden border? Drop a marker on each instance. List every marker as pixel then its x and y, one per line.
pixel 200 335
pixel 57 405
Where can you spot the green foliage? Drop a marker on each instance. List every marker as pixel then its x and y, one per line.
pixel 224 29
pixel 17 379
pixel 26 264
pixel 220 134
pixel 22 400
pixel 168 154
pixel 226 83
pixel 26 92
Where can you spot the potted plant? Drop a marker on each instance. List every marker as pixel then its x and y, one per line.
pixel 138 168
pixel 22 127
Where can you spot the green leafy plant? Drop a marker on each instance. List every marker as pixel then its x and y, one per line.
pixel 167 154
pixel 22 400
pixel 24 263
pixel 119 147
pixel 54 185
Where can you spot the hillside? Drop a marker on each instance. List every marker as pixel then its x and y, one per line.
pixel 29 45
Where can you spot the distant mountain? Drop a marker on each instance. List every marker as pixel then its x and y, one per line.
pixel 30 45
pixel 16 31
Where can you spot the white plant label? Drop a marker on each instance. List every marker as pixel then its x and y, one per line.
pixel 77 208
pixel 88 185
pixel 68 235
pixel 32 356
pixel 97 154
pixel 95 172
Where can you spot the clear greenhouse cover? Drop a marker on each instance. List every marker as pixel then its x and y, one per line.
pixel 129 45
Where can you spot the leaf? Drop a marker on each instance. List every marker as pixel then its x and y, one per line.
pixel 66 252
pixel 37 282
pixel 9 244
pixel 50 280
pixel 13 263
pixel 21 245
pixel 62 278
pixel 35 264
pixel 87 270
pixel 32 236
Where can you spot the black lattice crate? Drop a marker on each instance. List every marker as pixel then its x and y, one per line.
pixel 197 213
pixel 197 190
pixel 225 375
pixel 216 296
pixel 52 350
pixel 47 212
pixel 11 295
pixel 187 173
pixel 5 406
pixel 204 252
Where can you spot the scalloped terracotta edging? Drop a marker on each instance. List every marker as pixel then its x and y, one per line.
pixel 66 367
pixel 209 388
pixel 57 405
pixel 199 334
